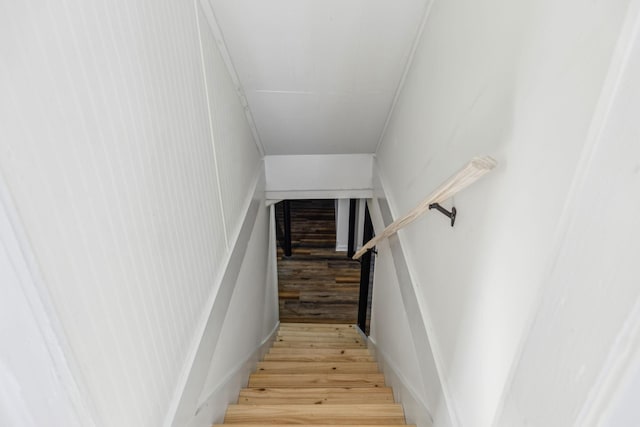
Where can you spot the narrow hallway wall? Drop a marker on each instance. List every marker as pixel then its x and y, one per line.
pixel 520 82
pixel 129 159
pixel 583 347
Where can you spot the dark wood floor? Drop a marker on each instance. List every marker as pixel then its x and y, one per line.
pixel 316 284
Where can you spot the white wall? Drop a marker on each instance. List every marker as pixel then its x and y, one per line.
pixel 236 155
pixel 360 210
pixel 520 82
pixel 248 326
pixel 621 407
pixel 319 176
pixel 116 147
pixel 342 224
pixel 240 325
pixel 585 340
pixel 398 336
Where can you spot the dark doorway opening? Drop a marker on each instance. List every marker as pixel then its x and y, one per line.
pixel 317 283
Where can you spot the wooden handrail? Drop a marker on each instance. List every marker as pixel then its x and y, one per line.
pixel 466 176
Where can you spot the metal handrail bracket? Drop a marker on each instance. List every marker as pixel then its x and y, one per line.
pixel 470 173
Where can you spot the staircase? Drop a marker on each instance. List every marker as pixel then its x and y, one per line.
pixel 316 374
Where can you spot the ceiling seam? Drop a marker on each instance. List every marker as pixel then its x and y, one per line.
pixel 407 67
pixel 226 57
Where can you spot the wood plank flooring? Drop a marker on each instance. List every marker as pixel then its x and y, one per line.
pixel 316 284
pixel 316 386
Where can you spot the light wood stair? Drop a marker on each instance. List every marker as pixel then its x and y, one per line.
pixel 319 375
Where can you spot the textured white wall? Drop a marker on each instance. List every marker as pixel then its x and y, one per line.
pixel 36 387
pixel 519 82
pixel 109 149
pixel 236 158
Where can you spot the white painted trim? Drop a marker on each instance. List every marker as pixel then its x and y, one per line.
pixel 365 338
pixel 244 367
pixel 415 410
pixel 624 348
pixel 611 84
pixel 226 57
pixel 622 355
pixel 251 195
pixel 23 259
pixel 203 322
pixel 272 202
pixel 360 209
pixel 436 351
pixel 319 173
pixel 211 126
pixel 319 194
pixel 407 67
pixel 272 262
pixel 342 215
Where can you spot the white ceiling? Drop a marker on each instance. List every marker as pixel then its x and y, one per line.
pixel 319 76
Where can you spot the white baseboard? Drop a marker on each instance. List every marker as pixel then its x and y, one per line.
pixel 318 194
pixel 213 407
pixel 415 410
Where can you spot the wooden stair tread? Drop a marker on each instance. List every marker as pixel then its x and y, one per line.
pixel 310 357
pixel 319 354
pixel 380 413
pixel 313 367
pixel 332 321
pixel 316 375
pixel 320 338
pixel 316 326
pixel 325 351
pixel 326 395
pixel 316 380
pixel 318 344
pixel 316 425
pixel 348 333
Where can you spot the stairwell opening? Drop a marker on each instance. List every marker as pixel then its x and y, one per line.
pixel 318 282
